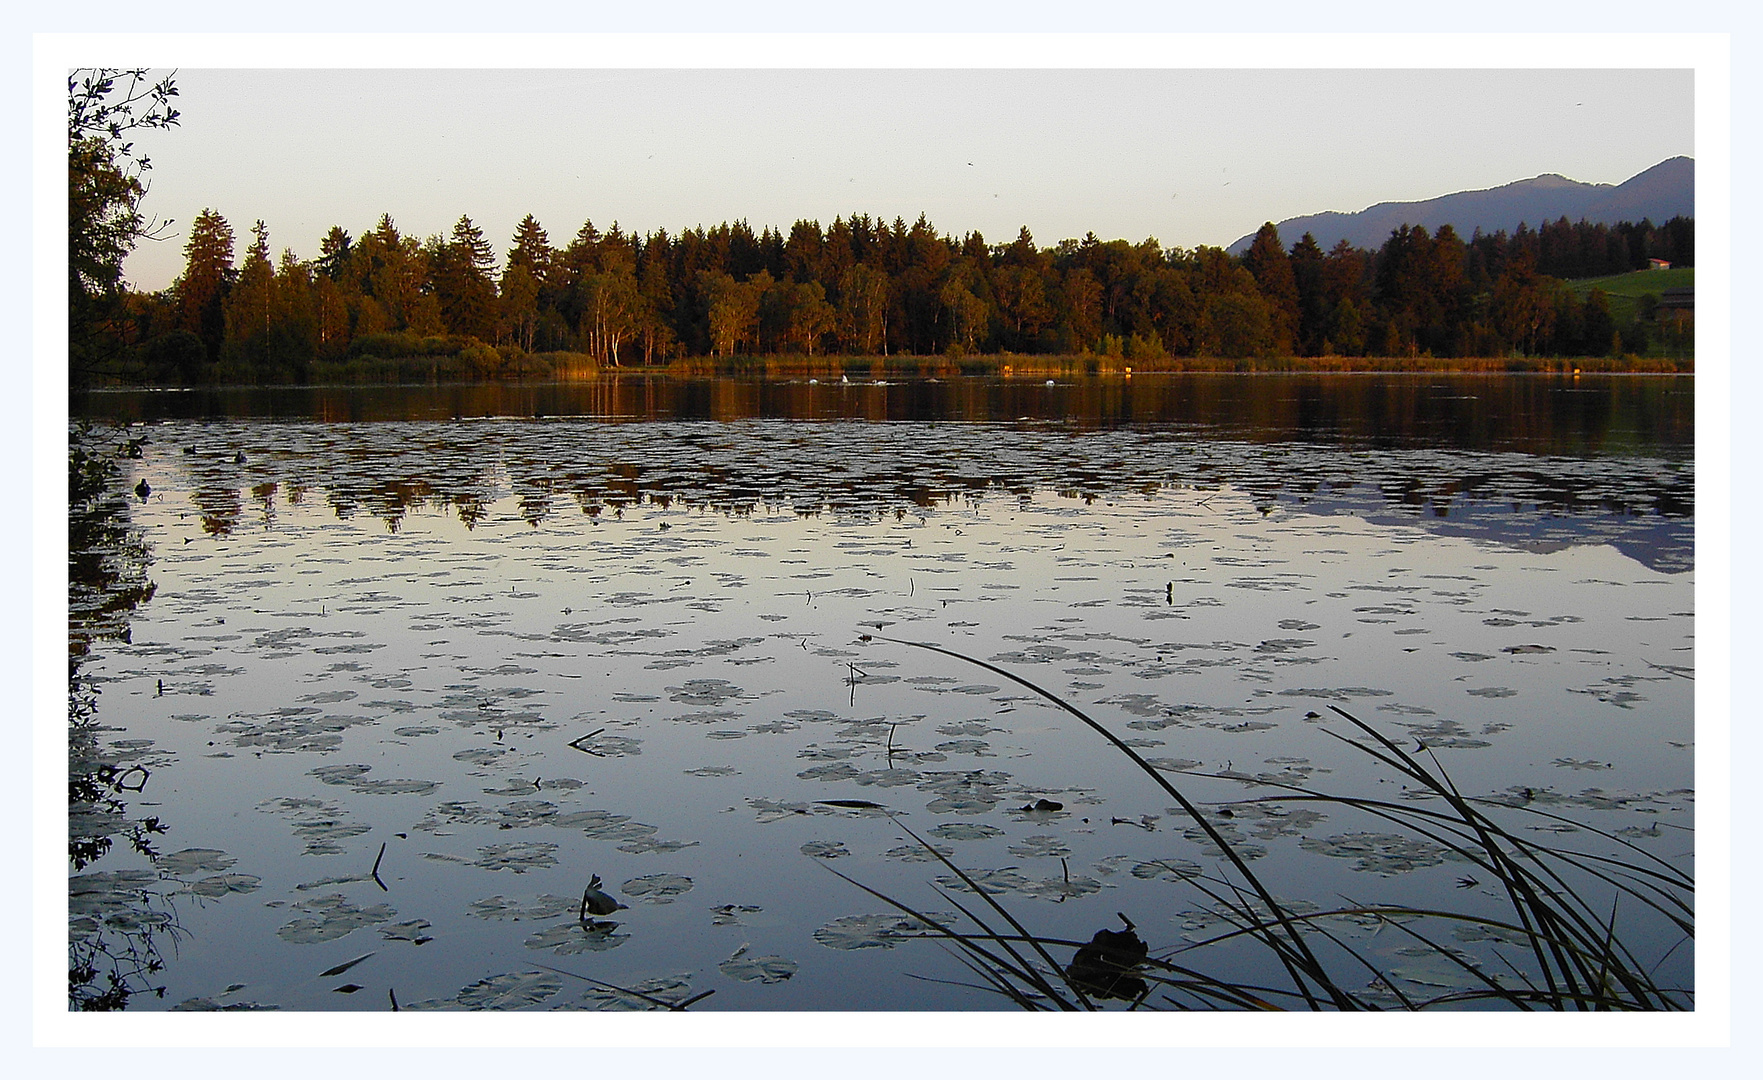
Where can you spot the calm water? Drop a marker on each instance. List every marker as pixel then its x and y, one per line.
pixel 523 637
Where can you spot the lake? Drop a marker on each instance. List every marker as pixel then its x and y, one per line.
pixel 390 697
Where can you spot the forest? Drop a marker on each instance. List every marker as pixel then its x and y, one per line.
pixel 386 305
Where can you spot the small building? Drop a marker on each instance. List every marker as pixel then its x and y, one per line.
pixel 1658 264
pixel 1671 300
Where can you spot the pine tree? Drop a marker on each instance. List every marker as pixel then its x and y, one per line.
pixel 208 274
pixel 1271 267
pixel 248 306
pixel 1313 306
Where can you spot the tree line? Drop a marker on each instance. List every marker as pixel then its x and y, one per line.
pixel 863 286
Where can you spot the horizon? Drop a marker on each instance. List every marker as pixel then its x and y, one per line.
pixel 1063 152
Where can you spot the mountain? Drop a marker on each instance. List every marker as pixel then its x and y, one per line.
pixel 1664 191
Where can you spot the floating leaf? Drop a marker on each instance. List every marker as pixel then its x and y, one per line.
pixel 650 994
pixel 546 906
pixel 1040 847
pixel 712 692
pixel 202 1004
pixel 650 846
pixel 730 914
pixel 919 853
pixel 411 931
pixel 571 938
pixel 331 917
pixel 962 830
pixel 511 991
pixel 1166 869
pixel 221 884
pixel 882 931
pixel 340 774
pixel 1385 854
pixel 657 888
pixel 1006 879
pixel 516 857
pixel 191 860
pixel 760 969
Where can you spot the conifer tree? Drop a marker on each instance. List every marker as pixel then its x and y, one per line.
pixel 208 274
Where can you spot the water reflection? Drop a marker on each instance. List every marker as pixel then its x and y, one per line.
pixel 116 919
pixel 1534 413
pixel 1641 504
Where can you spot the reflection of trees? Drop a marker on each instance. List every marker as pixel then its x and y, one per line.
pixel 114 920
pixel 111 949
pixel 1530 413
pixel 106 559
pixel 1645 494
pixel 220 508
pixel 388 500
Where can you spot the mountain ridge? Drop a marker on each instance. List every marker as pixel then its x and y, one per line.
pixel 1662 192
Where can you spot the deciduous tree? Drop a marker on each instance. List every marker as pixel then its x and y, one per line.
pixel 106 183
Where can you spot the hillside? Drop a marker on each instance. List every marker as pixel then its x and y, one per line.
pixel 1662 192
pixel 1626 290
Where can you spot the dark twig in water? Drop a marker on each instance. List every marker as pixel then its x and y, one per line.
pixel 342 967
pixel 576 744
pixel 376 868
pixel 674 1006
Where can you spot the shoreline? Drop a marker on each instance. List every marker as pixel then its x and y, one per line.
pixel 1002 366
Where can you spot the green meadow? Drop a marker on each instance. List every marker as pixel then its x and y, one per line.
pixel 1626 290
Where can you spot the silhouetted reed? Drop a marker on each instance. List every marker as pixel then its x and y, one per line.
pixel 1573 955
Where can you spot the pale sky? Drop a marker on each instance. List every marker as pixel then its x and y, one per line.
pixel 1187 156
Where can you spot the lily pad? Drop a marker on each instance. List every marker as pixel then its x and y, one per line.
pixel 650 994
pixel 1040 847
pixel 574 937
pixel 1005 879
pixel 191 860
pixel 1166 869
pixel 331 917
pixel 545 906
pixel 511 991
pixel 965 830
pixel 202 1004
pixel 711 692
pixel 221 884
pixel 759 969
pixel 516 857
pixel 882 931
pixel 918 853
pixel 648 845
pixel 730 914
pixel 657 888
pixel 1384 854
pixel 411 931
